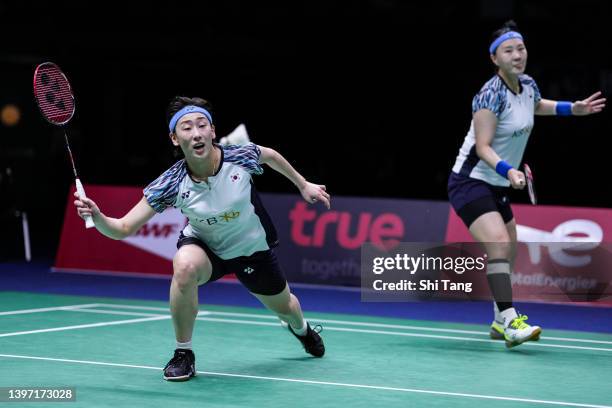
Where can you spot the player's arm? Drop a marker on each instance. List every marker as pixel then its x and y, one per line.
pixel 485 123
pixel 588 106
pixel 546 107
pixel 116 228
pixel 310 191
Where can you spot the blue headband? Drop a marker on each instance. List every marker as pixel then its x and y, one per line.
pixel 506 36
pixel 188 109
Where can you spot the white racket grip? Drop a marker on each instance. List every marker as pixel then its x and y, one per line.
pixel 89 223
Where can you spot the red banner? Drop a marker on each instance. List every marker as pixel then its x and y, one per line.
pixel 563 253
pixel 149 252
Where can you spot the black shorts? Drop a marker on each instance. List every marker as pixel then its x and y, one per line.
pixel 260 272
pixel 472 198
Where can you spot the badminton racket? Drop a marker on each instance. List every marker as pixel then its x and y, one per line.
pixel 55 100
pixel 530 186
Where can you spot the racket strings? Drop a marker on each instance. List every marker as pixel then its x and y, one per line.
pixel 55 100
pixel 53 94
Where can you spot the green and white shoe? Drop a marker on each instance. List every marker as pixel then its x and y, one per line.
pixel 518 332
pixel 496 331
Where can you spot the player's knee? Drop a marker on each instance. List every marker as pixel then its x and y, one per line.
pixel 285 308
pixel 185 272
pixel 500 247
pixel 294 303
pixel 283 305
pixel 500 237
pixel 292 306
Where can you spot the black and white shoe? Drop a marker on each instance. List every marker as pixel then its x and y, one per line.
pixel 181 367
pixel 312 342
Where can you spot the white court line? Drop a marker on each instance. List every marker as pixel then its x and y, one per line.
pixel 117 312
pixel 530 343
pixel 405 327
pixel 325 383
pixel 236 321
pixel 85 326
pixel 351 323
pixel 276 324
pixel 80 308
pixel 391 333
pixel 121 306
pixel 47 309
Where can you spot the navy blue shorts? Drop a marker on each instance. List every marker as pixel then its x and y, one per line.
pixel 260 272
pixel 472 198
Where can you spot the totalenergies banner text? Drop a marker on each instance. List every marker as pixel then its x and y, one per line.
pixel 564 254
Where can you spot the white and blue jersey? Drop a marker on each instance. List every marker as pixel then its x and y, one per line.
pixel 515 113
pixel 225 213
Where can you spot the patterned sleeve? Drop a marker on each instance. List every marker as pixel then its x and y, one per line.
pixel 527 80
pixel 245 156
pixel 490 97
pixel 163 191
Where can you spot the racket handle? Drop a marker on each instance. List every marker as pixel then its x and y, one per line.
pixel 89 223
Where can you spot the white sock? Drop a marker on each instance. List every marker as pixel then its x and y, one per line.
pixel 498 317
pixel 186 345
pixel 301 331
pixel 508 315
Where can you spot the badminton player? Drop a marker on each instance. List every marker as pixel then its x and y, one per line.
pixel 229 231
pixel 487 166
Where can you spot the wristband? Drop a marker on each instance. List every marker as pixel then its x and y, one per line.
pixel 502 168
pixel 563 108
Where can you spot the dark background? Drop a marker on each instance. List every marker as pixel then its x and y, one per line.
pixel 371 98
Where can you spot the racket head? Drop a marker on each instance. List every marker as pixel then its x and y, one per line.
pixel 530 184
pixel 53 94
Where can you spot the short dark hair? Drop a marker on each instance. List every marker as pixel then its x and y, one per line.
pixel 509 25
pixel 178 103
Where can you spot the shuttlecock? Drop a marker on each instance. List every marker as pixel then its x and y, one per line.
pixel 238 136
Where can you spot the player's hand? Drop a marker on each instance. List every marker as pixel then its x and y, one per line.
pixel 589 105
pixel 315 192
pixel 517 179
pixel 85 207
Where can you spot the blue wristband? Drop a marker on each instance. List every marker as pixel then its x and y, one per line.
pixel 564 108
pixel 502 168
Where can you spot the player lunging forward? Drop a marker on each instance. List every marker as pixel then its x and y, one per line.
pixel 228 231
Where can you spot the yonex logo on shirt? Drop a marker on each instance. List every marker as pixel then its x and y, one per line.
pixel 248 270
